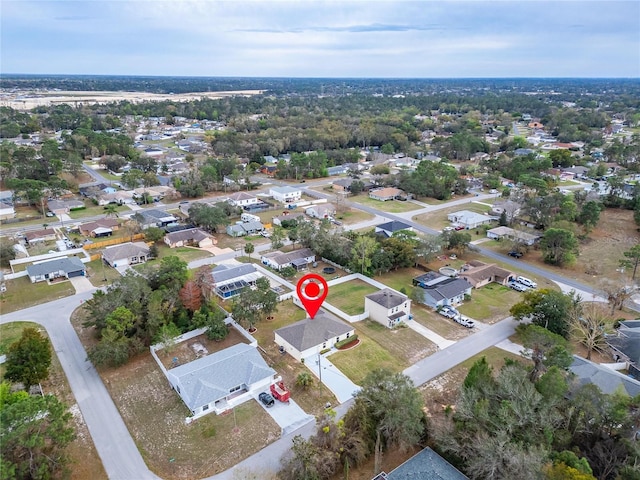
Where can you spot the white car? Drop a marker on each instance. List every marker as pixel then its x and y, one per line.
pixel 464 321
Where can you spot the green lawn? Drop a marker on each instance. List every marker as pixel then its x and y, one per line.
pixel 402 343
pixel 490 303
pixel 184 253
pixel 366 357
pixel 10 332
pixel 21 293
pixel 92 210
pixel 353 215
pixel 349 296
pixel 401 278
pixel 391 206
pixel 97 272
pixel 442 326
pixel 438 219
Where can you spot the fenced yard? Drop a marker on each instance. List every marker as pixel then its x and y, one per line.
pixel 349 296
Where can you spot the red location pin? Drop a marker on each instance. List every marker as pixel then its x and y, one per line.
pixel 312 290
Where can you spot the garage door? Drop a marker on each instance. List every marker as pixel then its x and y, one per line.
pixel 77 273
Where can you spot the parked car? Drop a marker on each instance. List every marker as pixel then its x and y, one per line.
pixel 518 287
pixel 459 227
pixel 464 321
pixel 449 312
pixel 515 254
pixel 447 229
pixel 266 399
pixel 526 282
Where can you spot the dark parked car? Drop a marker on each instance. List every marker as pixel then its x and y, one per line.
pixel 515 254
pixel 266 399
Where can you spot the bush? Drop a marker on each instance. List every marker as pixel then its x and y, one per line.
pixel 346 341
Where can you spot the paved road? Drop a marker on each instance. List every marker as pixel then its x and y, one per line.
pixel 117 450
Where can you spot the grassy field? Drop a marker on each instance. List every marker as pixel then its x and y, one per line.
pixel 490 303
pixel 443 326
pixel 402 343
pixel 401 278
pixel 439 220
pixel 391 206
pixel 85 462
pixel 349 296
pixel 366 357
pixel 97 272
pixel 93 210
pixel 21 293
pixel 352 215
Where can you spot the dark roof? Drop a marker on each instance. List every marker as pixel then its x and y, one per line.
pixel 66 264
pixel 125 250
pixel 448 288
pixel 393 226
pixel 194 234
pixel 387 298
pixel 606 379
pixel 426 464
pixel 309 332
pixel 223 273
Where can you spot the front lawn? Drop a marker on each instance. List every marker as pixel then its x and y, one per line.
pixel 21 293
pixel 490 303
pixel 93 210
pixel 358 362
pixel 402 343
pixel 443 326
pixel 186 254
pixel 438 219
pixel 100 274
pixel 349 296
pixel 399 279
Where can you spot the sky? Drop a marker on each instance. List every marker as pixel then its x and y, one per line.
pixel 312 38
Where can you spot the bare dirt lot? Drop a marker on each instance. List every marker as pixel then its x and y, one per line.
pixel 26 100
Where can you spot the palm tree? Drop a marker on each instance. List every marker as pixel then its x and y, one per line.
pixel 111 210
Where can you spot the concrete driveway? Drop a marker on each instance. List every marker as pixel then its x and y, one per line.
pixel 332 377
pixel 81 284
pixel 289 415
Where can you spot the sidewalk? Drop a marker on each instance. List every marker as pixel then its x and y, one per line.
pixel 441 342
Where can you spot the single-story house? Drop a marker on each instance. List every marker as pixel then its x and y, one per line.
pixel 625 346
pixel 7 209
pixel 121 197
pixel 288 216
pixel 510 208
pixel 103 225
pixel 309 337
pixel 60 267
pixel 468 219
pixel 571 173
pixel 337 170
pixel 46 235
pixel 388 307
pixel 222 380
pixel 229 280
pixel 324 210
pixel 438 290
pixel 298 259
pixel 480 274
pixel 285 194
pixel 193 237
pixel 387 193
pixel 606 379
pixel 154 218
pixel 129 253
pixel 389 228
pixel 157 192
pixel 344 185
pixel 60 207
pixel 244 228
pixel 525 238
pixel 242 199
pixel 425 464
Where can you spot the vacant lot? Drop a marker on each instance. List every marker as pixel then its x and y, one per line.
pixel 391 206
pixel 349 296
pixel 403 343
pixel 21 293
pixel 85 462
pixel 400 279
pixel 366 357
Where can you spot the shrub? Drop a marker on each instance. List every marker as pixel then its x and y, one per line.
pixel 346 341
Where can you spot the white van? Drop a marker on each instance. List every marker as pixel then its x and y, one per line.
pixel 526 282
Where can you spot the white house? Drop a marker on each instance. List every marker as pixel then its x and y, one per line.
pixel 285 194
pixel 525 238
pixel 309 337
pixel 325 210
pixel 193 237
pixel 468 219
pixel 6 205
pixel 66 267
pixel 243 199
pixel 126 254
pixel 222 380
pixel 388 307
pixel 298 259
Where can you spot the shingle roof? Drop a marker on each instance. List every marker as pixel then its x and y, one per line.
pixel 393 226
pixel 448 289
pixel 223 273
pixel 606 379
pixel 236 197
pixel 285 258
pixel 387 298
pixel 211 378
pixel 39 233
pixel 66 264
pixel 426 464
pixel 193 234
pixel 309 332
pixel 125 250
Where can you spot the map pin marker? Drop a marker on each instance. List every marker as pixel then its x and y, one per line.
pixel 312 290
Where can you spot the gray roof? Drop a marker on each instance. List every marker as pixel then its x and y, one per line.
pixel 393 226
pixel 289 257
pixel 627 340
pixel 387 298
pixel 285 189
pixel 448 289
pixel 235 228
pixel 192 234
pixel 125 250
pixel 154 214
pixel 211 378
pixel 309 332
pixel 254 225
pixel 66 264
pixel 224 273
pixel 606 379
pixel 426 464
